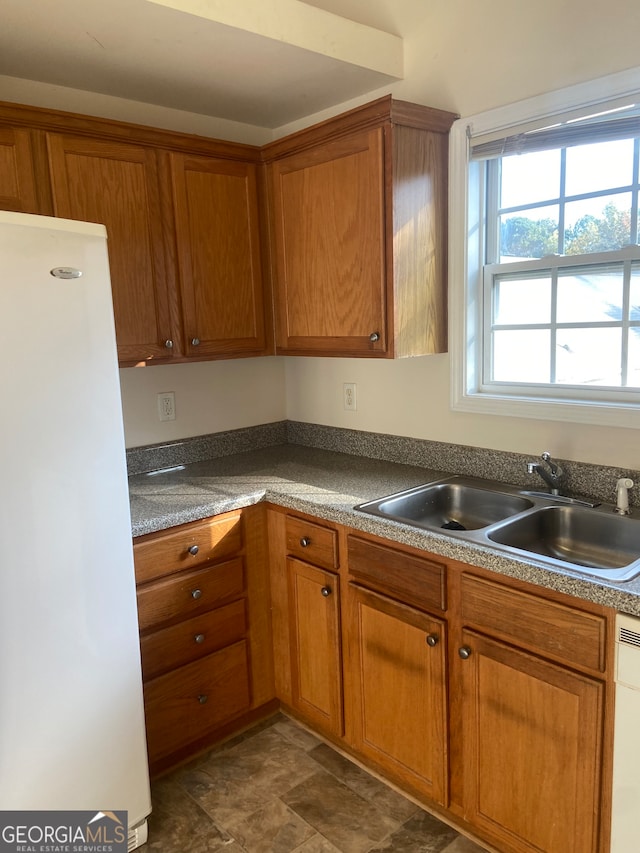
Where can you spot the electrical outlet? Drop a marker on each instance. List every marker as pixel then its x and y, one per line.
pixel 167 406
pixel 349 396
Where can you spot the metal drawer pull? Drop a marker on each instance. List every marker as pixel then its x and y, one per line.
pixel 432 640
pixel 464 652
pixel 168 344
pixel 196 593
pixel 202 698
pixel 305 541
pixel 326 591
pixel 374 337
pixel 195 342
pixel 193 550
pixel 199 638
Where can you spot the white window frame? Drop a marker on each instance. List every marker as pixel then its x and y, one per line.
pixel 466 258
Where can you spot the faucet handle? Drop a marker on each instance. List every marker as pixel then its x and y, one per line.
pixel 556 470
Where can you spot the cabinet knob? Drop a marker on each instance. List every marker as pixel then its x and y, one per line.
pixel 305 541
pixel 168 344
pixel 196 593
pixel 199 638
pixel 464 652
pixel 202 698
pixel 195 342
pixel 432 640
pixel 193 550
pixel 374 337
pixel 326 591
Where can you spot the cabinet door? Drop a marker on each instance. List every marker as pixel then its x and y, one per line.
pixel 329 235
pixel 316 669
pixel 17 177
pixel 218 243
pixel 532 749
pixel 398 658
pixel 116 184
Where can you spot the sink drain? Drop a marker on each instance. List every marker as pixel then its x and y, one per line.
pixel 453 525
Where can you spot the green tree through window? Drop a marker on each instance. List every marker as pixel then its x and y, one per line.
pixel 606 234
pixel 521 237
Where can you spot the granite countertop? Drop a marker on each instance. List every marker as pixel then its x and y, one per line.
pixel 328 485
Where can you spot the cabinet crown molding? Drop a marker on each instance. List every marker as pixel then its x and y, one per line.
pixel 385 110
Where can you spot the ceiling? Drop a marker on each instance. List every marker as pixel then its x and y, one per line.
pixel 262 62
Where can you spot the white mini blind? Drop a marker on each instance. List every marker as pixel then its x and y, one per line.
pixel 614 124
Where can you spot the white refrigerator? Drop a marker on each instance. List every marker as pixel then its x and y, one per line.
pixel 72 733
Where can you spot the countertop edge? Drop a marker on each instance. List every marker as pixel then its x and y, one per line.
pixel 620 597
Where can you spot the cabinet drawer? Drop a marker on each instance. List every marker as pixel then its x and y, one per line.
pixel 191 639
pixel 189 593
pixel 312 543
pixel 547 627
pixel 415 580
pixel 185 704
pixel 187 547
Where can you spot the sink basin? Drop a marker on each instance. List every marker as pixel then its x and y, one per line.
pixel 567 533
pixel 600 543
pixel 448 505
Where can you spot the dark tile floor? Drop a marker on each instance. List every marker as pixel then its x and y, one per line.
pixel 278 789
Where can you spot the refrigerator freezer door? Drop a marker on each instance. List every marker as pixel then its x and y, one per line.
pixel 71 714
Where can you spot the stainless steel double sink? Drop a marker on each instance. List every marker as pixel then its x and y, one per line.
pixel 564 532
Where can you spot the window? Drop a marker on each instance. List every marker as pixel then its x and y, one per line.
pixel 545 272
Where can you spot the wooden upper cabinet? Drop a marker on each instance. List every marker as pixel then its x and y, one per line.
pixel 116 184
pixel 359 215
pixel 17 174
pixel 329 240
pixel 218 254
pixel 353 212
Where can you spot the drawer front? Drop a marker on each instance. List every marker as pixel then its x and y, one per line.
pixel 189 593
pixel 187 547
pixel 185 704
pixel 192 639
pixel 546 627
pixel 312 543
pixel 415 580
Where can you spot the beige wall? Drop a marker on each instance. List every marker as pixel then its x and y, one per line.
pixel 211 396
pixel 460 55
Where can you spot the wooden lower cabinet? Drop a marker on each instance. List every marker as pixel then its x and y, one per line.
pixel 530 691
pixel 316 657
pixel 487 698
pixel 398 677
pixel 532 735
pixel 203 611
pixel 168 648
pixel 182 706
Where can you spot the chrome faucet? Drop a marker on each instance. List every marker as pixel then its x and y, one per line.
pixel 552 474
